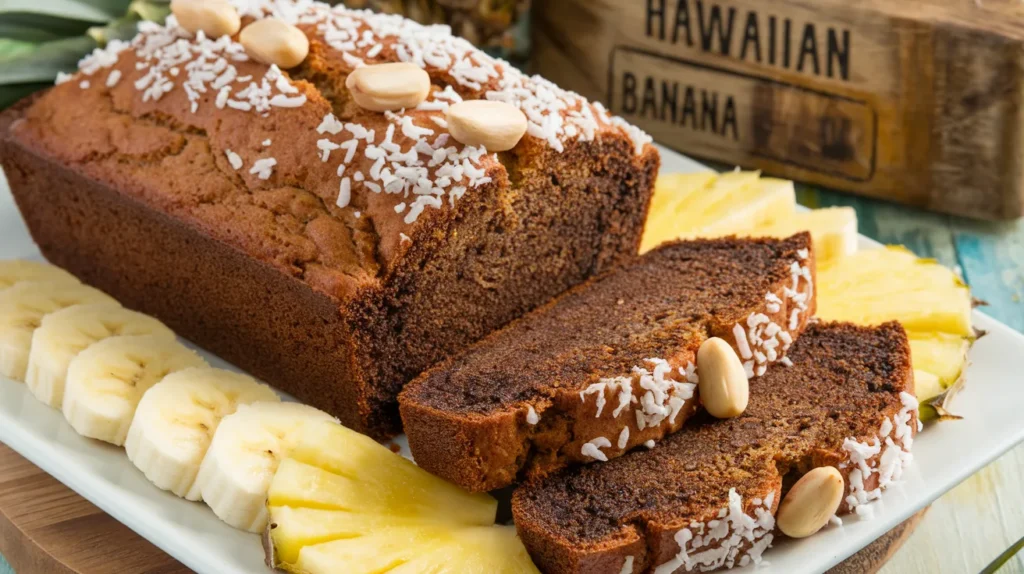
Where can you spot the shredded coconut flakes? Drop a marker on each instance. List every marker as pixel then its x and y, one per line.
pixel 735 538
pixel 413 161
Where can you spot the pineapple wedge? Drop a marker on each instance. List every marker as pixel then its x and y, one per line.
pixel 940 354
pixel 926 385
pixel 834 230
pixel 671 193
pixel 706 205
pixel 879 285
pixel 342 502
pixel 424 550
pixel 766 201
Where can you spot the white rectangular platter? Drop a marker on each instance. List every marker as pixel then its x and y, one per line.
pixel 944 454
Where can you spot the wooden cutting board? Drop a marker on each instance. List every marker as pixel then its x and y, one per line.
pixel 45 528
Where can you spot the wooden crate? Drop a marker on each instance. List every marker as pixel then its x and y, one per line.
pixel 917 101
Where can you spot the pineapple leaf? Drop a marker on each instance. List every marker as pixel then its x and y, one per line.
pixel 154 11
pixel 95 11
pixel 1004 558
pixel 42 63
pixel 11 94
pixel 937 408
pixel 13 48
pixel 39 27
pixel 122 29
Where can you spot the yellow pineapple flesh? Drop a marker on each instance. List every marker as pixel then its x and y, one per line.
pixel 940 354
pixel 878 285
pixel 344 503
pixel 766 201
pixel 671 192
pixel 926 385
pixel 833 230
pixel 710 205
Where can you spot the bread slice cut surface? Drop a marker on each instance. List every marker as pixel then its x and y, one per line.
pixel 705 498
pixel 610 365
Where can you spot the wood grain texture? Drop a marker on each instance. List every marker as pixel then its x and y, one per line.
pixel 45 528
pixel 917 101
pixel 875 555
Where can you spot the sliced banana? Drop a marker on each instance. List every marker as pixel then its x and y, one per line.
pixel 22 308
pixel 243 457
pixel 66 333
pixel 106 381
pixel 13 271
pixel 176 420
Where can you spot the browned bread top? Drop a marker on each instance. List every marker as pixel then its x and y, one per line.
pixel 846 402
pixel 282 164
pixel 536 395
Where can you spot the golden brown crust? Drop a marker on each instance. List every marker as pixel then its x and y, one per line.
pixel 523 403
pixel 845 383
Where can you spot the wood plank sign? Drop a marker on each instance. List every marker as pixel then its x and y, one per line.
pixel 917 101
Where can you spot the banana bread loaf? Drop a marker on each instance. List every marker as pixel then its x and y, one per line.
pixel 333 251
pixel 705 497
pixel 610 365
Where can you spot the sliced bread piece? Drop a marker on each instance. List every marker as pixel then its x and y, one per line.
pixel 706 497
pixel 609 365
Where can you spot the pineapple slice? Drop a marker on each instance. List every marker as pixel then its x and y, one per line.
pixel 343 499
pixel 755 206
pixel 472 550
pixel 706 205
pixel 940 354
pixel 926 385
pixel 834 230
pixel 879 285
pixel 671 192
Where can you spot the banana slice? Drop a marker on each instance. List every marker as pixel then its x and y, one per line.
pixel 243 457
pixel 13 271
pixel 106 381
pixel 176 419
pixel 65 333
pixel 22 308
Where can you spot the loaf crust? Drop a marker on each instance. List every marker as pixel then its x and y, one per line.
pixel 167 197
pixel 705 497
pixel 612 359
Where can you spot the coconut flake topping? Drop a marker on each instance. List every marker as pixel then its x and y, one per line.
pixel 414 158
pixel 734 538
pixel 885 456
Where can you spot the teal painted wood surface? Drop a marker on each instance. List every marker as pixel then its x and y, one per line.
pixel 5 568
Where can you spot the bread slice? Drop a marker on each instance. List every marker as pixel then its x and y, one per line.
pixel 609 365
pixel 705 498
